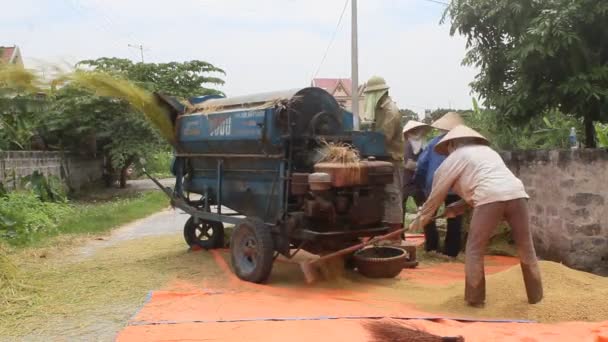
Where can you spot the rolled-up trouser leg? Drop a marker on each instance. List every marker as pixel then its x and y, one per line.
pixel 516 214
pixel 484 221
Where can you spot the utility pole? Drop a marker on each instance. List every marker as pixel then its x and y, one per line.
pixel 354 66
pixel 141 50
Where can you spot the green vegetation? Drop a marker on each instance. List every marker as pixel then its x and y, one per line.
pixel 159 164
pixel 25 220
pixel 547 131
pixel 601 130
pixel 106 107
pixel 536 57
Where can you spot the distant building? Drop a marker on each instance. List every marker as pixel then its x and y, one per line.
pixel 341 90
pixel 11 55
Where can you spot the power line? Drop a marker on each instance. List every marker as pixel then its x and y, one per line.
pixel 331 42
pixel 438 2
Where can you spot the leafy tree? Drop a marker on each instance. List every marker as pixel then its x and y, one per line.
pixel 110 125
pixel 439 112
pixel 184 80
pixel 548 131
pixel 20 107
pixel 536 56
pixel 407 115
pixel 19 118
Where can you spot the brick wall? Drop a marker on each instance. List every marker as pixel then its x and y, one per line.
pixel 75 171
pixel 568 204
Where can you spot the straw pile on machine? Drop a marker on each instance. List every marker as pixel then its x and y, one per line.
pixel 342 153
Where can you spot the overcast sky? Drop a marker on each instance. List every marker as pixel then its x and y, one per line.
pixel 263 45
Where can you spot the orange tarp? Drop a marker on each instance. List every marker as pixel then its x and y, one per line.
pixel 233 310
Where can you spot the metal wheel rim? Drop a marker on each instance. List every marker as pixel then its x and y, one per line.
pixel 203 231
pixel 248 254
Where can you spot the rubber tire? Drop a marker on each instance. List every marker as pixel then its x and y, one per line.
pixel 256 230
pixel 216 240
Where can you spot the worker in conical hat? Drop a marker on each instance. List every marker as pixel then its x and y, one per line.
pixel 381 114
pixel 479 175
pixel 414 136
pixel 428 162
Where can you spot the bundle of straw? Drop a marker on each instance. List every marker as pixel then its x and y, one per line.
pixel 337 153
pixel 141 100
pixel 389 330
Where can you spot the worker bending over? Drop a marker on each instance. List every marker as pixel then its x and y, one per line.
pixel 381 114
pixel 428 163
pixel 478 174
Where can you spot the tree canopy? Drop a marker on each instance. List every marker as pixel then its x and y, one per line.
pixel 535 56
pixel 186 79
pixel 82 121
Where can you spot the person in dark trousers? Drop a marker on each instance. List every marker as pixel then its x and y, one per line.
pixel 428 162
pixel 413 134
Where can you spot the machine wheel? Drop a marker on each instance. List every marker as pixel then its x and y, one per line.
pixel 252 251
pixel 204 234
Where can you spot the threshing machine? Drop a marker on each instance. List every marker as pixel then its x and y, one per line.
pixel 251 161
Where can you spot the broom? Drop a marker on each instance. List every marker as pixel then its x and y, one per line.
pixel 388 330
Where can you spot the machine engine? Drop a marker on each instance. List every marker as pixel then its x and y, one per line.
pixel 340 197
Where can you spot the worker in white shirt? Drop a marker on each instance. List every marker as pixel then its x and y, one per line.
pixel 478 175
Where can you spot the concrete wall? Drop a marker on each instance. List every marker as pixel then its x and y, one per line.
pixel 568 204
pixel 75 171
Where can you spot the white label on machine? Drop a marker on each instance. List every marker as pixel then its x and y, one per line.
pixel 221 127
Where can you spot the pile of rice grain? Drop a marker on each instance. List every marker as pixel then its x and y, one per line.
pixel 569 295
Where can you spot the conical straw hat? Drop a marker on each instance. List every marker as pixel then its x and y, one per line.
pixel 459 132
pixel 375 83
pixel 448 121
pixel 411 124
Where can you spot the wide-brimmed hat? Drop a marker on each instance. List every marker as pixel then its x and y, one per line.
pixel 448 121
pixel 375 83
pixel 457 133
pixel 413 124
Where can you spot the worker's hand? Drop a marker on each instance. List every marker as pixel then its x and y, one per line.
pixel 414 226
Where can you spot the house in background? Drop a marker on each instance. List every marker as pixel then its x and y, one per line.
pixel 11 55
pixel 341 90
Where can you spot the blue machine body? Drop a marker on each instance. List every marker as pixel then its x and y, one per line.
pixel 241 151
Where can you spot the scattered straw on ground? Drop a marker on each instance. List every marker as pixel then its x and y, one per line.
pixel 57 298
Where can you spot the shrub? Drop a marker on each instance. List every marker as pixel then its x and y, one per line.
pixel 23 214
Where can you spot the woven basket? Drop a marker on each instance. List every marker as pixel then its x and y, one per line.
pixel 380 262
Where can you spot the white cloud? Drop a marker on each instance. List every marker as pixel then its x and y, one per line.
pixel 263 45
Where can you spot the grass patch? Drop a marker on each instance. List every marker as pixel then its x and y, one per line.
pixel 44 220
pixel 95 218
